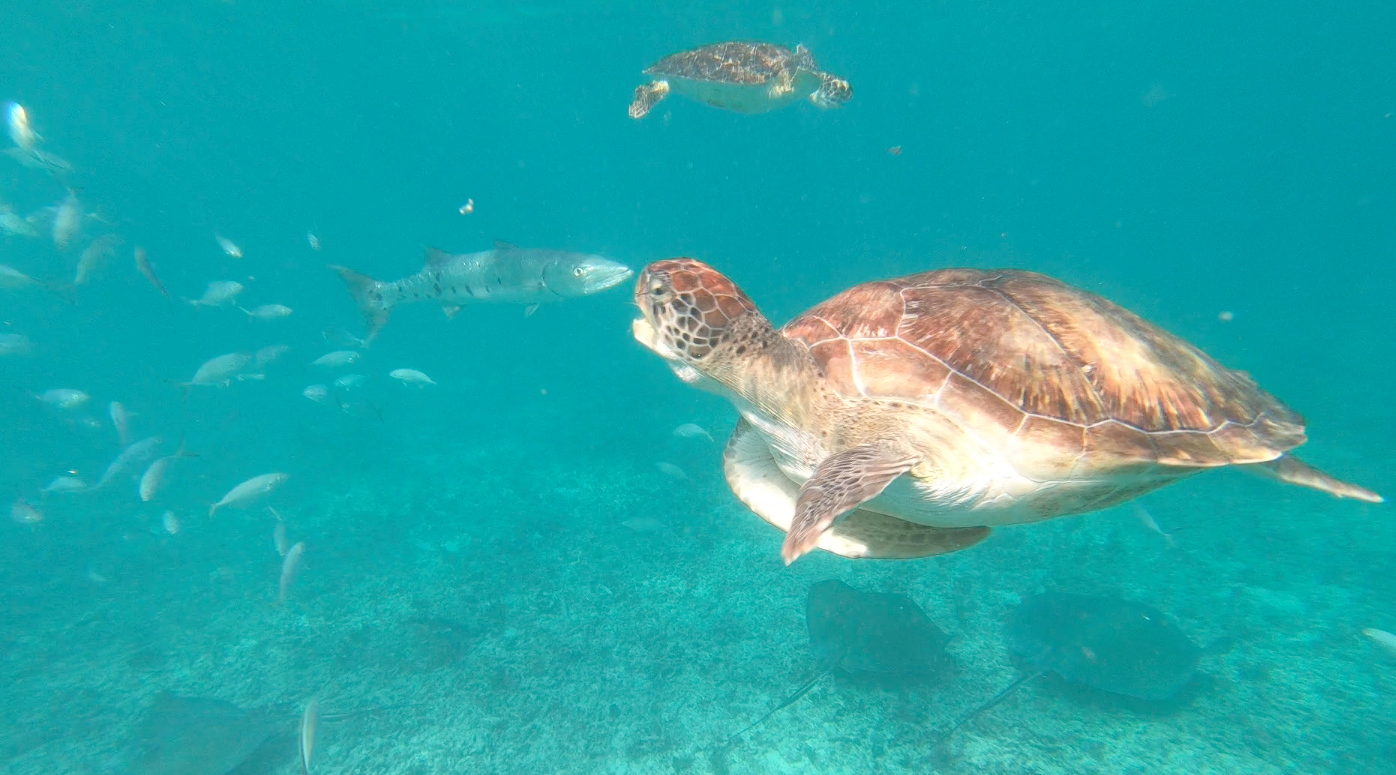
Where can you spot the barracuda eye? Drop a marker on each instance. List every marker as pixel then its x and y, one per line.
pixel 578 272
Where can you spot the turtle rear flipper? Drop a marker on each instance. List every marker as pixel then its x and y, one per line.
pixel 647 96
pixel 1288 468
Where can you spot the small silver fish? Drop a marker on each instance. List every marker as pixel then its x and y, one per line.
pixel 14 344
pixel 692 430
pixel 268 354
pixel 279 539
pixel 65 484
pixel 267 312
pixel 169 522
pixel 14 225
pixel 313 240
pixel 121 419
pixel 154 475
pixel 349 381
pixel 148 272
pixel 289 565
pixel 133 455
pixel 1147 520
pixel 670 469
pixel 13 278
pixel 67 220
pixel 24 513
pixel 1383 638
pixel 310 719
pixel 218 293
pixel 411 377
pixel 63 398
pixel 228 247
pixel 248 491
pixel 93 255
pixel 219 370
pixel 317 393
pixel 21 132
pixel 336 359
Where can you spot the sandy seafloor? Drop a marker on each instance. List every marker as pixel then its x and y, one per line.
pixel 498 587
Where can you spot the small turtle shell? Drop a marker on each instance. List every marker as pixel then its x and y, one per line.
pixel 1060 379
pixel 734 63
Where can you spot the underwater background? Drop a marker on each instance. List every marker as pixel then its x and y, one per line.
pixel 499 558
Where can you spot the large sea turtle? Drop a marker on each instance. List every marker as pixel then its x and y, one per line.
pixel 906 417
pixel 741 77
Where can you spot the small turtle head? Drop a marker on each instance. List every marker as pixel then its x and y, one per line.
pixel 691 314
pixel 832 93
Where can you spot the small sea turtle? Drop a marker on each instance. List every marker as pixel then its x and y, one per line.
pixel 906 417
pixel 741 77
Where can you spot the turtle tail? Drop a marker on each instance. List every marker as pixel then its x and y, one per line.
pixel 368 292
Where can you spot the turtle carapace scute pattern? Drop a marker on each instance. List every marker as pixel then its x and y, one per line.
pixel 743 77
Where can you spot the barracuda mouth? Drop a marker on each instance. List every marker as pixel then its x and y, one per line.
pixel 604 277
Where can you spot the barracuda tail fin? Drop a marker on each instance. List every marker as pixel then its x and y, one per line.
pixel 368 292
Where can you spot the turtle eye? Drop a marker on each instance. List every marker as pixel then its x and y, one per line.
pixel 657 289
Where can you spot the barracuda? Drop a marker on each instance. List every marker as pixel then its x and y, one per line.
pixel 504 275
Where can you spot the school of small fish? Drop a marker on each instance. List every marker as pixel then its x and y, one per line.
pixel 87 254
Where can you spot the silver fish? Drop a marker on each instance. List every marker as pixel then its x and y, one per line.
pixel 170 522
pixel 13 224
pixel 692 430
pixel 505 275
pixel 21 133
pixel 289 565
pixel 336 359
pixel 121 419
pixel 25 514
pixel 14 344
pixel 93 255
pixel 411 377
pixel 228 247
pixel 268 354
pixel 154 476
pixel 267 312
pixel 39 159
pixel 135 454
pixel 249 490
pixel 309 721
pixel 63 398
pixel 279 540
pixel 67 220
pixel 65 484
pixel 349 381
pixel 218 293
pixel 317 393
pixel 219 370
pixel 13 278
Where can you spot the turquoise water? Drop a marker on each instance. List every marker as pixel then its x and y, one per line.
pixel 500 551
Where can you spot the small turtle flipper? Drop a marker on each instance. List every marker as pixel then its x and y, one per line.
pixel 841 483
pixel 1288 468
pixel 647 96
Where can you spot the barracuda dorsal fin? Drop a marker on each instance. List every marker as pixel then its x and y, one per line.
pixel 436 257
pixel 500 244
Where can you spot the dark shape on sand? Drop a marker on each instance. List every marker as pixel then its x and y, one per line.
pixel 1113 645
pixel 202 736
pixel 866 632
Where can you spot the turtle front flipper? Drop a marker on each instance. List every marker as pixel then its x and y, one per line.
pixel 782 85
pixel 758 482
pixel 840 484
pixel 646 96
pixel 1288 468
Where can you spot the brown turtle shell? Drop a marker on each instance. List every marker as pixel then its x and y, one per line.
pixel 1062 381
pixel 734 63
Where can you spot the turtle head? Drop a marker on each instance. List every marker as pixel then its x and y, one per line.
pixel 832 93
pixel 696 319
